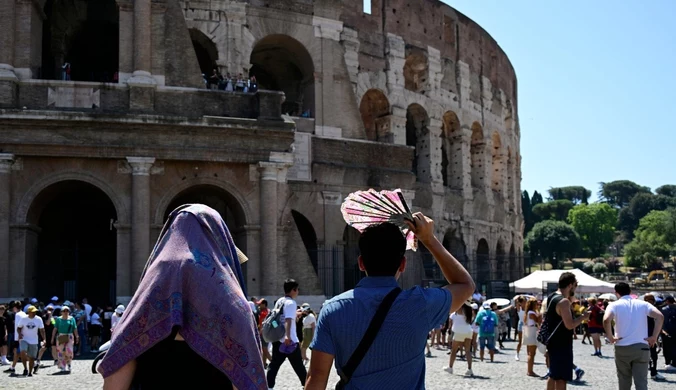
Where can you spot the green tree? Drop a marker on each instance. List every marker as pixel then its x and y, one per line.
pixel 620 192
pixel 527 213
pixel 536 199
pixel 595 223
pixel 575 194
pixel 639 207
pixel 667 190
pixel 553 240
pixel 556 210
pixel 655 238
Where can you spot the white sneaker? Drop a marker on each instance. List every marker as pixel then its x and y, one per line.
pixel 469 373
pixel 670 368
pixel 516 357
pixel 448 370
pixel 658 377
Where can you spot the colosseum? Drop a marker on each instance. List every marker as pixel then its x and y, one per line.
pixel 108 123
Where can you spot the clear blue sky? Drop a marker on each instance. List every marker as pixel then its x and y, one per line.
pixel 597 87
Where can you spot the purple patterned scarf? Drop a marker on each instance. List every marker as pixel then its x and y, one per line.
pixel 193 280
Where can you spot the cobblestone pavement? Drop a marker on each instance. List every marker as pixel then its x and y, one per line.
pixel 505 373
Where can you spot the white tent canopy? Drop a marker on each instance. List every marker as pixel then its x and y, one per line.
pixel 536 282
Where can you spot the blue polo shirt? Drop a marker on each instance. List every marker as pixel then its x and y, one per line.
pixel 396 359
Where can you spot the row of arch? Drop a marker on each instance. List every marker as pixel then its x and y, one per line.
pixel 375 112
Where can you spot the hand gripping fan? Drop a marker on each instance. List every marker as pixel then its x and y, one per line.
pixel 362 209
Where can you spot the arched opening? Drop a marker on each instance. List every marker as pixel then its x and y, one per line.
pixel 351 273
pixel 281 63
pixel 515 272
pixel 223 202
pixel 451 151
pixel 456 246
pixel 206 51
pixel 510 180
pixel 497 164
pixel 75 254
pixel 482 263
pixel 308 235
pixel 417 126
pixel 477 152
pixel 83 34
pixel 375 113
pixel 502 263
pixel 416 70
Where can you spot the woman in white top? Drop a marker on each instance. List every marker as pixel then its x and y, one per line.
pixel 309 324
pixel 461 326
pixel 116 317
pixel 521 313
pixel 530 331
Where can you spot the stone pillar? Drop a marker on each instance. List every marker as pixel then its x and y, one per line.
pixel 126 40
pixel 142 84
pixel 253 266
pixel 268 236
pixel 6 161
pixel 8 79
pixel 140 216
pixel 123 287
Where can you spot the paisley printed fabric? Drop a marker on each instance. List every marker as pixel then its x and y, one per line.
pixel 193 280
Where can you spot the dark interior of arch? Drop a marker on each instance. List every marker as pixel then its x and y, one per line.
pixel 374 107
pixel 206 51
pixel 416 123
pixel 513 264
pixel 482 261
pixel 456 246
pixel 216 198
pixel 351 272
pixel 309 237
pixel 76 251
pixel 84 33
pixel 281 63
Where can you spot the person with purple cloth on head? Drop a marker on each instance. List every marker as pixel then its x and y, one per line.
pixel 190 306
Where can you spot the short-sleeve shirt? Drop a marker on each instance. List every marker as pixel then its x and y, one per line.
pixel 481 317
pixel 309 320
pixel 17 318
pixel 261 316
pixel 29 328
pixel 290 312
pixel 631 325
pixel 65 326
pixel 396 359
pixel 460 324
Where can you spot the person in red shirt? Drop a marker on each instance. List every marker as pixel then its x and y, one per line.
pixel 596 324
pixel 262 313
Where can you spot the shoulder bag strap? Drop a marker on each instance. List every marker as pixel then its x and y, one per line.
pixel 560 322
pixel 369 336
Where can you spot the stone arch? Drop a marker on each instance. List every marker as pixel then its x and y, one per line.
pixel 417 128
pixel 308 235
pixel 478 156
pixel 375 113
pixel 84 34
pixel 282 63
pixel 451 151
pixel 482 259
pixel 501 260
pixel 455 245
pixel 205 50
pixel 24 214
pixel 243 211
pixel 515 272
pixel 416 70
pixel 497 163
pixel 73 251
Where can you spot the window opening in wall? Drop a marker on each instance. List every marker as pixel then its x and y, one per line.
pixel 367 7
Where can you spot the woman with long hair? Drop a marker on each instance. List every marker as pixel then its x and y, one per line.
pixel 461 326
pixel 530 331
pixel 309 324
pixel 595 325
pixel 521 314
pixel 190 306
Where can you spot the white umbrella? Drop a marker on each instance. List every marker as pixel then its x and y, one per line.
pixel 608 296
pixel 498 301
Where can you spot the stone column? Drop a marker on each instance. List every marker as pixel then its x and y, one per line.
pixel 140 215
pixel 268 233
pixel 8 79
pixel 6 161
pixel 123 287
pixel 142 84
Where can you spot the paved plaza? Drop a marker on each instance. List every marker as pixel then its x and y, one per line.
pixel 505 373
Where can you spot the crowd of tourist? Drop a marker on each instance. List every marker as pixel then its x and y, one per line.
pixel 230 83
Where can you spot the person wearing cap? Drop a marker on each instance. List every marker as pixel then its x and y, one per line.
pixel 119 310
pixel 64 337
pixel 488 322
pixel 28 328
pixel 669 333
pixel 396 358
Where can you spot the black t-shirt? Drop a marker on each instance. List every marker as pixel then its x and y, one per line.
pixel 562 337
pixel 3 324
pixel 9 320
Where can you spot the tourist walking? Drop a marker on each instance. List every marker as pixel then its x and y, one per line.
pixel 631 339
pixel 654 375
pixel 309 324
pixel 29 340
pixel 488 322
pixel 193 290
pixel 4 332
pixel 115 318
pixel 521 316
pixel 559 319
pixel 65 336
pixel 395 359
pixel 461 328
pixel 595 324
pixel 531 324
pixel 669 333
pixel 288 346
pixel 15 317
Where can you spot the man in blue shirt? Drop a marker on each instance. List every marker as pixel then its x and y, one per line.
pixel 396 358
pixel 488 322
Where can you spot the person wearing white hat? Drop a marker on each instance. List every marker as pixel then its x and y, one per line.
pixel 116 317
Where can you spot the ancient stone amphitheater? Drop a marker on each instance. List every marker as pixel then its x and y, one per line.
pixel 406 94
